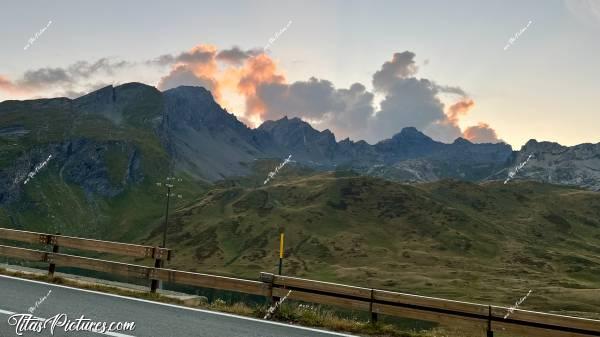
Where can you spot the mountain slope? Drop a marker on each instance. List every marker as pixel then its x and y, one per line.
pixel 448 238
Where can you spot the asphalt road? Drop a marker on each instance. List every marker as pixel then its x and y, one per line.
pixel 151 319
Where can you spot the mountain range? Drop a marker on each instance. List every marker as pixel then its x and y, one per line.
pixel 183 130
pixel 208 143
pixel 407 213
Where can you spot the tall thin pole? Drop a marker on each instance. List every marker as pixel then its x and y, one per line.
pixel 164 242
pixel 159 263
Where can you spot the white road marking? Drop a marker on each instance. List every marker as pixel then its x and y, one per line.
pixel 185 308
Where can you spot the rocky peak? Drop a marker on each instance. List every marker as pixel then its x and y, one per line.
pixel 196 107
pixel 296 132
pixel 461 141
pixel 119 104
pixel 411 134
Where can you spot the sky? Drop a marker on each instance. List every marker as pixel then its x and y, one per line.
pixel 487 71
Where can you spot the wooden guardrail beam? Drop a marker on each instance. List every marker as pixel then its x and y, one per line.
pixel 318 286
pixel 23 236
pixel 212 281
pixel 23 253
pixel 123 269
pixel 389 297
pixel 98 246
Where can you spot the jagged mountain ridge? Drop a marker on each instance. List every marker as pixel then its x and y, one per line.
pixel 208 143
pixel 206 138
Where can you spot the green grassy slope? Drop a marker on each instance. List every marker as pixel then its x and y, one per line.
pixel 50 203
pixel 489 242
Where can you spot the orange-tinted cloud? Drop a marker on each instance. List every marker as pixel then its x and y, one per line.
pixel 481 133
pixel 198 66
pixel 234 71
pixel 8 86
pixel 459 109
pixel 447 129
pixel 258 70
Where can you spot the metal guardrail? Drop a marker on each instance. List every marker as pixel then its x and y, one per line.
pixel 375 301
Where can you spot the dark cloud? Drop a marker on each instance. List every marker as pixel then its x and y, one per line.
pixel 44 78
pixel 205 54
pixel 401 66
pixel 341 110
pixel 85 69
pixel 236 56
pixel 450 89
pixel 413 102
pixel 198 54
pixel 357 104
pixel 311 99
pixel 409 102
pixel 162 60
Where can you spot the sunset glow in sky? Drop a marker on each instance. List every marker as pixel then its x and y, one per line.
pixel 364 69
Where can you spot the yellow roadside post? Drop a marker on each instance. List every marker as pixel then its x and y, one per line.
pixel 281 238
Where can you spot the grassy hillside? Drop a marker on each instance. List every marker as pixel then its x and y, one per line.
pixel 53 202
pixel 489 242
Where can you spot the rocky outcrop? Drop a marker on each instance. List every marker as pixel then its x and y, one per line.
pixel 577 165
pixel 81 162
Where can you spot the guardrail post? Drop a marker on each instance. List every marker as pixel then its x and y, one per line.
pixel 490 333
pixel 158 263
pixel 374 316
pixel 268 279
pixel 52 267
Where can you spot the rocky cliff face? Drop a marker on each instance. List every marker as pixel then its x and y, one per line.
pixel 204 140
pixel 81 162
pixel 553 163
